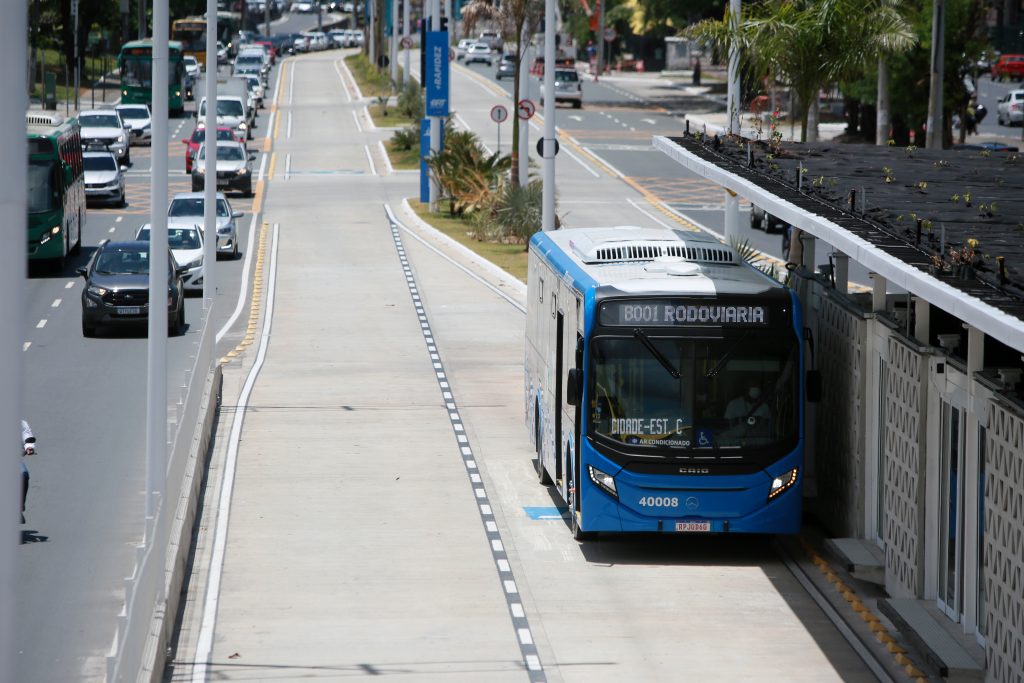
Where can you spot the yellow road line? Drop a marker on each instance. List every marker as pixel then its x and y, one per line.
pixel 273 163
pixel 257 202
pixel 255 302
pixel 277 125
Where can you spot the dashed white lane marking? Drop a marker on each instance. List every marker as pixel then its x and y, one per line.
pixel 263 166
pixel 288 132
pixel 55 304
pixel 359 126
pixel 520 623
pixel 69 284
pixel 24 347
pixel 41 324
pixel 112 230
pixel 119 219
pixel 291 85
pixel 287 166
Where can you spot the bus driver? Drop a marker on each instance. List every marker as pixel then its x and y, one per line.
pixel 749 405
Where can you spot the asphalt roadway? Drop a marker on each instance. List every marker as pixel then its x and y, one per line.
pixel 377 512
pixel 86 402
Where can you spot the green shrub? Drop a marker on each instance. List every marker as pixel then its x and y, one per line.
pixel 513 213
pixel 406 138
pixel 410 101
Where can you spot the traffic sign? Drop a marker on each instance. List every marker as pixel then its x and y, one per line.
pixel 499 113
pixel 610 34
pixel 526 110
pixel 540 148
pixel 406 42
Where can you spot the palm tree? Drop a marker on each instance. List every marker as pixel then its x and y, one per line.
pixel 812 43
pixel 516 20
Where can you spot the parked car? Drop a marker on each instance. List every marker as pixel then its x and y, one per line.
pixel 198 136
pixel 187 208
pixel 303 7
pixel 106 127
pixel 1010 109
pixel 568 88
pixel 116 288
pixel 139 120
pixel 989 146
pixel 186 245
pixel 762 220
pixel 506 67
pixel 478 52
pixel 1008 66
pixel 104 177
pixel 233 171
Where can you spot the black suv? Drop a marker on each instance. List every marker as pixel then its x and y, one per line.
pixel 762 220
pixel 117 288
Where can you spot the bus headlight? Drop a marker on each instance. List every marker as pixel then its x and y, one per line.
pixel 606 482
pixel 783 482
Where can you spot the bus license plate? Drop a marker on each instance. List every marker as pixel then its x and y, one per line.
pixel 693 526
pixel 129 310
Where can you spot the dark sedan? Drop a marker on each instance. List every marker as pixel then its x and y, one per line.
pixel 117 288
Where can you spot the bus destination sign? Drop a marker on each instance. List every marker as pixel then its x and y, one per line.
pixel 675 313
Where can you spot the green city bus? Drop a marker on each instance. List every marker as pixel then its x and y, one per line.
pixel 56 186
pixel 136 65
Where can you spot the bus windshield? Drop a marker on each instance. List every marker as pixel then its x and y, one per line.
pixel 43 192
pixel 737 392
pixel 137 71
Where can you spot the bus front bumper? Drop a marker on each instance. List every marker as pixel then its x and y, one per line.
pixel 696 504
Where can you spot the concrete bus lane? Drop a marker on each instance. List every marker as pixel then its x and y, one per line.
pixel 619 608
pixel 354 544
pixel 86 401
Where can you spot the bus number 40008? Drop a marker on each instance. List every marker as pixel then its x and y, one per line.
pixel 659 502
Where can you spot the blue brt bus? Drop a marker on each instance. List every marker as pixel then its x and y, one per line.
pixel 664 383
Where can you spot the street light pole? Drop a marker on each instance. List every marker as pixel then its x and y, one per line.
pixel 524 124
pixel 74 12
pixel 734 126
pixel 210 188
pixel 600 40
pixel 13 205
pixel 435 121
pixel 405 39
pixel 156 369
pixel 393 52
pixel 548 196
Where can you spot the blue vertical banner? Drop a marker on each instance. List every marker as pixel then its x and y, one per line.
pixel 387 18
pixel 424 153
pixel 436 75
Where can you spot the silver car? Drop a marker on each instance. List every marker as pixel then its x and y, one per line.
pixel 187 209
pixel 234 168
pixel 478 52
pixel 137 116
pixel 568 88
pixel 104 177
pixel 106 127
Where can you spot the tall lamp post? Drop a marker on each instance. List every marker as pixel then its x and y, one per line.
pixel 548 195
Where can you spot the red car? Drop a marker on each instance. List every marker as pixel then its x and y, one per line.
pixel 1008 66
pixel 198 135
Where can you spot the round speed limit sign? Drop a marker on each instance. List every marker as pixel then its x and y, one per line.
pixel 499 113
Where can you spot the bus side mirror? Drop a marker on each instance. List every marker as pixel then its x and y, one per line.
pixel 812 386
pixel 572 388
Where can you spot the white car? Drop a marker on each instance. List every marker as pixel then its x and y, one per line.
pixel 233 171
pixel 187 209
pixel 462 47
pixel 186 244
pixel 192 67
pixel 478 52
pixel 231 113
pixel 104 178
pixel 138 117
pixel 1010 109
pixel 106 127
pixel 303 7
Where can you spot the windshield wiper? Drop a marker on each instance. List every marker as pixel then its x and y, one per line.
pixel 713 372
pixel 649 345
